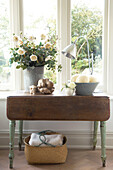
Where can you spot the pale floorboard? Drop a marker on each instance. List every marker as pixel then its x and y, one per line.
pixel 76 160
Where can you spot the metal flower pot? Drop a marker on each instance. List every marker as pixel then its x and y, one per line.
pixel 85 89
pixel 31 76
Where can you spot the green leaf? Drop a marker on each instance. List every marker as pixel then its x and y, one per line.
pixel 17 67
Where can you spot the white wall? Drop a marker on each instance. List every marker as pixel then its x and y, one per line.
pixel 79 134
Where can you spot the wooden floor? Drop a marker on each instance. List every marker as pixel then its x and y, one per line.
pixel 76 160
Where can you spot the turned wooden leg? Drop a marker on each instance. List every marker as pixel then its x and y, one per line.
pixel 20 134
pixel 103 142
pixel 95 134
pixel 11 144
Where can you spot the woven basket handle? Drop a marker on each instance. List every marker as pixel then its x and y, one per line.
pixel 42 134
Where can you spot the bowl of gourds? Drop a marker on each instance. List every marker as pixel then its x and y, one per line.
pixel 85 84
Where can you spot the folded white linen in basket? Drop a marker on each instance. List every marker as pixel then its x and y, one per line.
pixel 56 139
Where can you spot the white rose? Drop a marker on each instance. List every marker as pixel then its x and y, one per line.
pixel 17 46
pixel 20 42
pixel 31 38
pixel 71 85
pixel 21 51
pixel 33 57
pixel 15 38
pixel 48 58
pixel 43 37
pixel 47 45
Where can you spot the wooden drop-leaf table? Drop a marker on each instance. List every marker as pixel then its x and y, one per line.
pixel 58 107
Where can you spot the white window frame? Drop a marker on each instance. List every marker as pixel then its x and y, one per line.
pixel 16 25
pixel 64 34
pixel 107 47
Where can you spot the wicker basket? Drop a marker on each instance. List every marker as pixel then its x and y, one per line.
pixel 46 154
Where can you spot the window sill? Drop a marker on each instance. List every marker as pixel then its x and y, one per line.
pixel 4 94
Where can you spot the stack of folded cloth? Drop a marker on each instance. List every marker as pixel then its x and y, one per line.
pixel 53 140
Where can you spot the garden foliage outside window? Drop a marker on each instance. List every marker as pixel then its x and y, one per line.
pixel 5 69
pixel 87 20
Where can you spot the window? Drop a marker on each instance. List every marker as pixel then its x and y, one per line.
pixel 40 18
pixel 87 20
pixel 5 70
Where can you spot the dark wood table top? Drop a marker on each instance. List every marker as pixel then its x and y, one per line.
pixel 57 106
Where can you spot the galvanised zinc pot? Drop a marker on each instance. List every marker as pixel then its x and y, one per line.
pixel 31 76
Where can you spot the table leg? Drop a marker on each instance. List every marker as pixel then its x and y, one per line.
pixel 11 144
pixel 20 134
pixel 95 134
pixel 103 142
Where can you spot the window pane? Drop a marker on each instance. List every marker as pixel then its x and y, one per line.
pixel 5 70
pixel 87 20
pixel 40 18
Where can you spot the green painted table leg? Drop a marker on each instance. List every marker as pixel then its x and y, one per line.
pixel 11 144
pixel 103 142
pixel 20 134
pixel 95 134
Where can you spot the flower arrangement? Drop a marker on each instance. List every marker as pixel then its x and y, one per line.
pixel 70 85
pixel 28 53
pixel 69 88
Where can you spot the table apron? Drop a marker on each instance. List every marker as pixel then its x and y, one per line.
pixel 58 108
